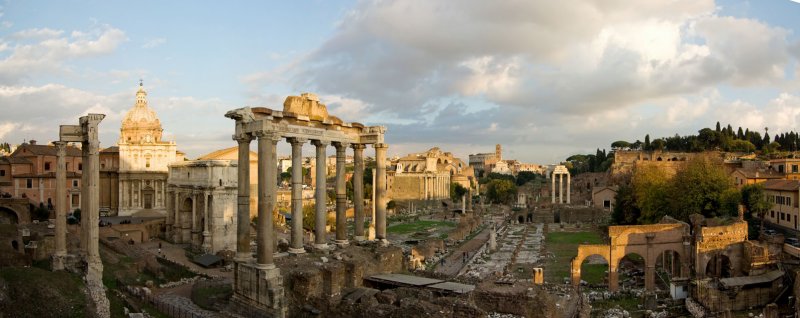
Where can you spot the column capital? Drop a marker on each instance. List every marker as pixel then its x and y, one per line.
pixel 270 136
pixel 320 143
pixel 358 146
pixel 296 140
pixel 340 145
pixel 243 138
pixel 380 145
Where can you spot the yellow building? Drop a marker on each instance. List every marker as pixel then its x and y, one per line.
pixel 785 197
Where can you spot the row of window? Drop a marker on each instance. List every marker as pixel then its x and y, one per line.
pixel 781 216
pixel 29 183
pixel 777 199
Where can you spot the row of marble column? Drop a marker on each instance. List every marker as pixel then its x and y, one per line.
pixel 435 186
pixel 267 194
pixel 127 188
pixel 175 224
pixel 560 188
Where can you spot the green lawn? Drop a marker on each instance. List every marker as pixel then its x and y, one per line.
pixel 417 226
pixel 564 246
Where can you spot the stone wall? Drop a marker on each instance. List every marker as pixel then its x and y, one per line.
pixel 716 300
pixel 520 299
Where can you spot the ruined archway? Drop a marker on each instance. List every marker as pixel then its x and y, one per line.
pixel 594 270
pixel 631 270
pixel 719 266
pixel 8 216
pixel 668 265
pixel 595 253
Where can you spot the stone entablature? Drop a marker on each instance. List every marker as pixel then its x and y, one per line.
pixel 201 208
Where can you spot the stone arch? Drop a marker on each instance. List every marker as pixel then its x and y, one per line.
pixel 669 261
pixel 719 265
pixel 659 159
pixel 586 250
pixel 634 257
pixel 8 216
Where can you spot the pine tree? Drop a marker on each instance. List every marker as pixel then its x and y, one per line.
pixel 739 134
pixel 718 129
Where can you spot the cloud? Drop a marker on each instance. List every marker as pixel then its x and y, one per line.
pixel 474 72
pixel 154 43
pixel 51 49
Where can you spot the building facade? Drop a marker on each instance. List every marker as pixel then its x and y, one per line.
pixel 784 195
pixel 143 160
pixel 484 162
pixel 201 204
pixel 427 175
pixel 30 173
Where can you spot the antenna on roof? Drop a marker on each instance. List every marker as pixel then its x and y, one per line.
pixel 140 82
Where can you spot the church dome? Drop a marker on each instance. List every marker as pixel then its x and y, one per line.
pixel 140 125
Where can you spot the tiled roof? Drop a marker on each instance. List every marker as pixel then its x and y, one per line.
pixel 782 185
pixel 14 160
pixel 754 173
pixel 46 150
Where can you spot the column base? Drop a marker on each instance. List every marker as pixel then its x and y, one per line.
pixel 260 286
pixel 58 261
pixel 243 258
pixel 322 246
pixel 293 250
pixel 383 242
pixel 360 238
pixel 342 243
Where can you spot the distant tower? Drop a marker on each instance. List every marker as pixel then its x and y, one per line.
pixel 498 152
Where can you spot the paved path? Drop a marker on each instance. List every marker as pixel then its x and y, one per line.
pixel 455 261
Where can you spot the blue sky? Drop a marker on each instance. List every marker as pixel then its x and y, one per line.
pixel 461 75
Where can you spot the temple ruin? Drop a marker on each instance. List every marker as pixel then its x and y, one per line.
pixel 258 281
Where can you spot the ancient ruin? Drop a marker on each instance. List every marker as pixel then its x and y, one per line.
pixel 560 171
pixel 259 282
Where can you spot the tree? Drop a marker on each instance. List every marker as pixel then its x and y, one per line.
pixel 457 191
pixel 754 201
pixel 620 144
pixel 650 188
pixel 625 211
pixel 647 142
pixel 524 177
pixel 41 212
pixel 698 187
pixel 501 191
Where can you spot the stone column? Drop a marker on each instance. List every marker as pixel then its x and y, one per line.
pixel 140 200
pixel 613 280
pixel 297 196
pixel 569 189
pixel 380 197
pixel 321 213
pixel 178 227
pixel 91 164
pixel 560 188
pixel 195 236
pixel 170 214
pixel 243 197
pixel 206 233
pixel 341 194
pixel 553 188
pixel 267 196
pixel 649 278
pixel 84 196
pixel 425 185
pixel 61 205
pixel 469 198
pixel 358 190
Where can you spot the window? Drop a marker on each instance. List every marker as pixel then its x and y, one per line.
pixel 80 166
pixel 794 168
pixel 147 164
pixel 74 183
pixel 46 166
pixel 772 214
pixel 780 168
pixel 2 173
pixel 29 183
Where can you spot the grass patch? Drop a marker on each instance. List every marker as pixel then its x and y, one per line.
pixel 573 238
pixel 628 303
pixel 564 246
pixel 35 292
pixel 417 226
pixel 594 273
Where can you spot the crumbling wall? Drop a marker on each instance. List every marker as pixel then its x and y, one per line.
pixel 717 300
pixel 516 299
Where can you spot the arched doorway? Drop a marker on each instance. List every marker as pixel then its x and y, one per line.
pixel 630 271
pixel 8 216
pixel 719 266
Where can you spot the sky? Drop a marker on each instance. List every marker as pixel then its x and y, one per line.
pixel 546 79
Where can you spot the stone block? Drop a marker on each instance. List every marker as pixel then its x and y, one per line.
pixel 333 277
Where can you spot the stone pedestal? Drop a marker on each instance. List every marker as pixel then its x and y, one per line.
pixel 206 241
pixel 371 232
pixel 58 261
pixel 261 287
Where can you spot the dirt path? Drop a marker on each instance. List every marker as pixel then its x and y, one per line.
pixel 455 261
